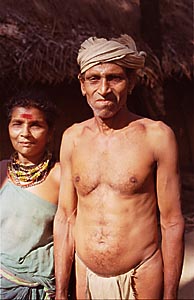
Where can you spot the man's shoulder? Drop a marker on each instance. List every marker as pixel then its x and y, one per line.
pixel 156 133
pixel 77 128
pixel 155 127
pixel 159 135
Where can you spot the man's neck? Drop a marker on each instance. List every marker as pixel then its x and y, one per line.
pixel 118 121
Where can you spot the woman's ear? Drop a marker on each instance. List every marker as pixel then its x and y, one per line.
pixel 50 135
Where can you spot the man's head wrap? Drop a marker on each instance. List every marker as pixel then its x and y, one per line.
pixel 121 51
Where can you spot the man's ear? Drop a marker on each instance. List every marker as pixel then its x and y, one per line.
pixel 81 80
pixel 83 88
pixel 132 81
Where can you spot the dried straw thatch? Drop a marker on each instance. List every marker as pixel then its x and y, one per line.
pixel 177 37
pixel 40 39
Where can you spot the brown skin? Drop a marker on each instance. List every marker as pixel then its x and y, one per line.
pixel 29 134
pixel 116 168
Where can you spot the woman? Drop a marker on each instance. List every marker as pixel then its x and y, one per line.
pixel 29 195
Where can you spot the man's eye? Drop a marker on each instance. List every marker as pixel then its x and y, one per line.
pixel 93 79
pixel 115 78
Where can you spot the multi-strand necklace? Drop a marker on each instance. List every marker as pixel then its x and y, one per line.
pixel 28 175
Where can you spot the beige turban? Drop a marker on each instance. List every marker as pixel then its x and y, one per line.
pixel 121 51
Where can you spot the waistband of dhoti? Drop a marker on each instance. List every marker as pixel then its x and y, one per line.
pixel 11 277
pixel 133 270
pixel 146 259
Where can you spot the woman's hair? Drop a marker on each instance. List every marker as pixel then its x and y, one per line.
pixel 36 99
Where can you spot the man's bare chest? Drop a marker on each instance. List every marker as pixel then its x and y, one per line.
pixel 117 165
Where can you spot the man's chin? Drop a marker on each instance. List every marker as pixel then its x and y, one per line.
pixel 105 114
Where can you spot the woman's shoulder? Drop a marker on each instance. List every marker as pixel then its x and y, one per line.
pixel 55 172
pixel 56 168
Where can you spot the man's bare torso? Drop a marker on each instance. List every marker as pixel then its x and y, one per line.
pixel 114 175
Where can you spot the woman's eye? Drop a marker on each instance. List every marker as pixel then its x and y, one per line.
pixel 16 123
pixel 35 126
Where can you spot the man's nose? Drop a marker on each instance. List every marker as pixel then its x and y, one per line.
pixel 104 87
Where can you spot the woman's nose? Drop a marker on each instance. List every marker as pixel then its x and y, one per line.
pixel 25 131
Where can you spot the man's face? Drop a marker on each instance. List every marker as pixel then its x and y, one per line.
pixel 105 87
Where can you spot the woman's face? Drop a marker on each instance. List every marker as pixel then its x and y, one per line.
pixel 29 134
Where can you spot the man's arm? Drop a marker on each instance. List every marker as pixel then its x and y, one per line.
pixel 169 201
pixel 64 221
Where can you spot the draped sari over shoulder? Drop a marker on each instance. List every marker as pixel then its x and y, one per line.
pixel 26 244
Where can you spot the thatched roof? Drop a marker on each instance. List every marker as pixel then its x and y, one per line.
pixel 39 39
pixel 177 37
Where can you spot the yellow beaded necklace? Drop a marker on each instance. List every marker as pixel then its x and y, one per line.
pixel 26 176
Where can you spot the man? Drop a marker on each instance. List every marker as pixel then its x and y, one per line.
pixel 117 167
